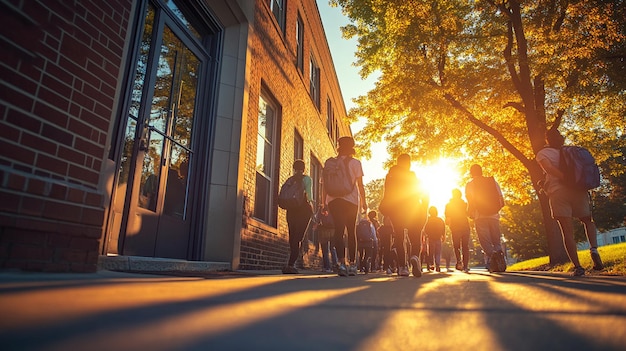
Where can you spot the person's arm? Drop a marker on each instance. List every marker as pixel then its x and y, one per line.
pixel 549 168
pixel 359 183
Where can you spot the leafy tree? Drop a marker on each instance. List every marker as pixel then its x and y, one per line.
pixel 483 80
pixel 522 228
pixel 374 193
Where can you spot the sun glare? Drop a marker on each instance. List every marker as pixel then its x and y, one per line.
pixel 438 179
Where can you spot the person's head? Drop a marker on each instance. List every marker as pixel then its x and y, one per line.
pixel 456 193
pixel 432 210
pixel 554 138
pixel 404 161
pixel 476 171
pixel 371 215
pixel 298 166
pixel 346 146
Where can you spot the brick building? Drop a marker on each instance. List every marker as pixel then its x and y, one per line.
pixel 159 129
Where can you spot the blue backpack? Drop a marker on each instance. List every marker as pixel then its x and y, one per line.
pixel 292 193
pixel 364 231
pixel 579 167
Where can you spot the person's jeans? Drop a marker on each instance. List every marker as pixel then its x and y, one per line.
pixel 344 217
pixel 297 220
pixel 488 231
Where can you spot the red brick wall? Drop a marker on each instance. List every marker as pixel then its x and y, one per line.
pixel 60 66
pixel 273 65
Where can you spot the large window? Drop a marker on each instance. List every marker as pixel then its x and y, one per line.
pixel 298 146
pixel 300 44
pixel 266 149
pixel 314 81
pixel 278 9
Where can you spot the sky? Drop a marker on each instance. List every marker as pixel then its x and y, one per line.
pixel 350 81
pixel 439 178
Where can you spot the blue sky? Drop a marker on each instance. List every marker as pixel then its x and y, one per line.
pixel 350 81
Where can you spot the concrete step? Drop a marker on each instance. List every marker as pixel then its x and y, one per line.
pixel 157 265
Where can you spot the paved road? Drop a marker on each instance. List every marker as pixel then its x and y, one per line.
pixel 440 311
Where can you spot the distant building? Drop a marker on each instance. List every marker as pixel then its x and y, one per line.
pixel 159 129
pixel 613 236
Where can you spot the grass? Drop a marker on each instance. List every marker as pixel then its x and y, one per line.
pixel 613 257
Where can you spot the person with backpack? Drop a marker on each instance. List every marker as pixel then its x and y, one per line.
pixel 567 201
pixel 325 229
pixel 344 193
pixel 366 242
pixel 456 218
pixel 406 206
pixel 484 201
pixel 298 213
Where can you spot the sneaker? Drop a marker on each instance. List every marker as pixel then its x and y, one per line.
pixel 466 269
pixel 290 270
pixel 342 270
pixel 459 267
pixel 352 270
pixel 578 271
pixel 416 266
pixel 597 261
pixel 403 271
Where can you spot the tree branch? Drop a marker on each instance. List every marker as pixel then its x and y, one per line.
pixel 492 131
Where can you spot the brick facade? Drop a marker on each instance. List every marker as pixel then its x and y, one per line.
pixel 60 69
pixel 274 69
pixel 63 64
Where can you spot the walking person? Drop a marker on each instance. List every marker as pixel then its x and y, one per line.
pixel 406 206
pixel 345 208
pixel 456 218
pixel 484 199
pixel 385 239
pixel 567 202
pixel 435 231
pixel 373 216
pixel 298 217
pixel 325 230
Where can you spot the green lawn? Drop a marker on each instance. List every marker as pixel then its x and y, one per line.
pixel 613 257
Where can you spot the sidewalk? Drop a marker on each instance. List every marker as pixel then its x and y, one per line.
pixel 266 310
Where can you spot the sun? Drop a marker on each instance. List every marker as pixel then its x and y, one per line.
pixel 438 179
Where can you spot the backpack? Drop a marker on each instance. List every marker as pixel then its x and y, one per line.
pixel 325 220
pixel 364 231
pixel 336 175
pixel 579 168
pixel 292 193
pixel 486 196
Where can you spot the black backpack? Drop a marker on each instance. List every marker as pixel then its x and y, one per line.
pixel 292 194
pixel 486 196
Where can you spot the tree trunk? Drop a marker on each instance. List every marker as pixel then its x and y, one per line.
pixel 556 248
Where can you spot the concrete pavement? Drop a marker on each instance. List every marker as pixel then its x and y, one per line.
pixel 269 311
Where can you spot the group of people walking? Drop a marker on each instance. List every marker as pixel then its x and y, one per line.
pixel 409 222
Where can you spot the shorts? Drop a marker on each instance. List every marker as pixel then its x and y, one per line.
pixel 570 203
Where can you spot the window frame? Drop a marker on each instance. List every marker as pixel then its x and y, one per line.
pixel 300 44
pixel 278 9
pixel 264 203
pixel 314 82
